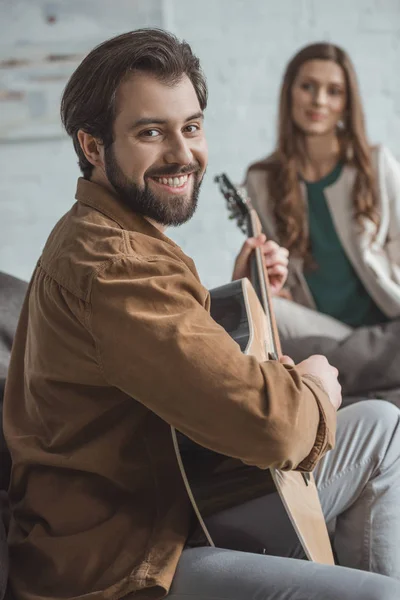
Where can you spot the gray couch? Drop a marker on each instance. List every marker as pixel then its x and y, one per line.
pixel 12 293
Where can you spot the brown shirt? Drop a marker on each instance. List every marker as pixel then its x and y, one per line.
pixel 114 343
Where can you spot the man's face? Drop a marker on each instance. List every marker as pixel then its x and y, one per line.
pixel 159 154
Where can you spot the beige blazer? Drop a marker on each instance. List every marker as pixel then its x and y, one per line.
pixel 376 262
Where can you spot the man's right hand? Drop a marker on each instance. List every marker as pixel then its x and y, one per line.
pixel 319 367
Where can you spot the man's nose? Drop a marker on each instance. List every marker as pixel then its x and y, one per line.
pixel 178 151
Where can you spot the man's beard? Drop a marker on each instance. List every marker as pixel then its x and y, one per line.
pixel 172 210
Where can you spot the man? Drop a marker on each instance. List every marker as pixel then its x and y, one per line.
pixel 115 343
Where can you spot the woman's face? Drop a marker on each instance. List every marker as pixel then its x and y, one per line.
pixel 319 97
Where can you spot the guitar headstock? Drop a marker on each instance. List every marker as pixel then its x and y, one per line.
pixel 238 204
pixel 241 209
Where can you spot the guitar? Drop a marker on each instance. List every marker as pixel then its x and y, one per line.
pixel 217 484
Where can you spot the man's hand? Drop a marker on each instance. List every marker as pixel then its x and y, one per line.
pixel 318 366
pixel 276 260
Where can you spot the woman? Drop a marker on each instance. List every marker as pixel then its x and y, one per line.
pixel 334 202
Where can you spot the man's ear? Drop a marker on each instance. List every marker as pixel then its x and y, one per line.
pixel 92 148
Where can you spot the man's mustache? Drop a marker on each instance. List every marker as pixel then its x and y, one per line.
pixel 173 170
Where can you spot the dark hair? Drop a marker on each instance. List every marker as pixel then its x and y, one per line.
pixel 88 101
pixel 283 180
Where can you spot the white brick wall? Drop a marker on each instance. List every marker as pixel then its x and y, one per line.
pixel 244 46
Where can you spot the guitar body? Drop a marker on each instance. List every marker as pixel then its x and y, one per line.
pixel 217 484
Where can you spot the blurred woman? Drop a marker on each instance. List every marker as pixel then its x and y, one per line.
pixel 334 202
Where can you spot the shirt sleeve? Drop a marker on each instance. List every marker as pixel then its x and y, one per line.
pixel 257 190
pixel 157 342
pixel 391 172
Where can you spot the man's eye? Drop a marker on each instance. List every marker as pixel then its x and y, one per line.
pixel 192 128
pixel 150 133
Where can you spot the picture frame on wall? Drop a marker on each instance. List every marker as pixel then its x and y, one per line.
pixel 36 60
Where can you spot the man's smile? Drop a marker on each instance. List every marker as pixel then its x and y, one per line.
pixel 175 183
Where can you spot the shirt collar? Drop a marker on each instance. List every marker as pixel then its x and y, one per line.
pixel 103 200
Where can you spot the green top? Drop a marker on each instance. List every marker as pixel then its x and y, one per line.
pixel 334 284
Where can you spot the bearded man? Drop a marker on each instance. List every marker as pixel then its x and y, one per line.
pixel 115 343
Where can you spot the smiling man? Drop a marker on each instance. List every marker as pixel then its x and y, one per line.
pixel 155 165
pixel 115 343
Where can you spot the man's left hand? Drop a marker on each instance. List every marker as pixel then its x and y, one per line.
pixel 276 260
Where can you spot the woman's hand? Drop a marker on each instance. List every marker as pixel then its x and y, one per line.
pixel 276 260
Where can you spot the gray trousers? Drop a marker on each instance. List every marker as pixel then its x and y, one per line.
pixel 367 358
pixel 359 487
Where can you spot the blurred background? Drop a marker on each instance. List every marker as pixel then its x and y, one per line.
pixel 243 46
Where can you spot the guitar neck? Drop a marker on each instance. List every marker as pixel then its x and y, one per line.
pixel 260 282
pixel 242 210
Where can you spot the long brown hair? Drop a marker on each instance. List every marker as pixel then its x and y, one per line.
pixel 283 180
pixel 88 101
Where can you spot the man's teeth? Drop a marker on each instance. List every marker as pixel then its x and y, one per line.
pixel 173 181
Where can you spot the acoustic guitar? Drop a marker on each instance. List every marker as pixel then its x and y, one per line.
pixel 218 485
